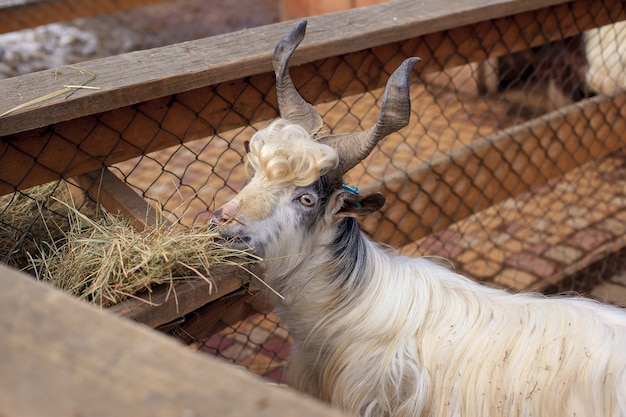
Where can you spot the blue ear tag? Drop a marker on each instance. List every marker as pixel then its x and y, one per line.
pixel 352 190
pixel 349 189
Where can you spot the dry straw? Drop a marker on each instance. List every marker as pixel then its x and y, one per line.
pixel 29 217
pixel 106 260
pixel 67 89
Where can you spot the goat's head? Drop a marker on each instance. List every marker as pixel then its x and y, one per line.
pixel 295 192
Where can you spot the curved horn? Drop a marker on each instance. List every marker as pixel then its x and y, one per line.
pixel 395 113
pixel 291 105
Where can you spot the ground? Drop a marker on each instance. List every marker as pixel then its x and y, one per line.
pixel 84 39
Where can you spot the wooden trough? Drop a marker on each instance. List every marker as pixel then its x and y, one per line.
pixel 494 199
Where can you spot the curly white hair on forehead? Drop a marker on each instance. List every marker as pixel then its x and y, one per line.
pixel 285 153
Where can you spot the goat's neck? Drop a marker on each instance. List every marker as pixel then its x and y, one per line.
pixel 324 277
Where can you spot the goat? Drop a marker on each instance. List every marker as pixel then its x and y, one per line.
pixel 605 49
pixel 380 334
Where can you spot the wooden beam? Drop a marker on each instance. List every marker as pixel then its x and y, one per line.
pixel 52 367
pixel 207 320
pixel 167 303
pixel 24 14
pixel 141 76
pixel 452 186
pixel 117 197
pixel 86 143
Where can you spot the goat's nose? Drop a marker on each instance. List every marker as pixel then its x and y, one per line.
pixel 223 215
pixel 219 217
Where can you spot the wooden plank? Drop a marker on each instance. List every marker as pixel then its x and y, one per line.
pixel 447 189
pixel 24 14
pixel 52 367
pixel 169 303
pixel 207 320
pixel 117 197
pixel 146 75
pixel 85 144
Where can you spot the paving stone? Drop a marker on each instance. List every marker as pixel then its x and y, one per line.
pixel 501 238
pixel 578 222
pixel 515 279
pixel 613 226
pixel 589 239
pixel 540 225
pixel 618 278
pixel 538 248
pixel 483 268
pixel 563 253
pixel 529 262
pixel 618 201
pixel 497 255
pixel 555 215
pixel 620 215
pixel 516 245
pixel 610 293
pixel 530 236
pixel 511 204
pixel 468 256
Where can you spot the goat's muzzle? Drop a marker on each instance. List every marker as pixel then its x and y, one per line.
pixel 225 221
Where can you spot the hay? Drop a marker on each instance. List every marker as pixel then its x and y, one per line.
pixel 106 260
pixel 30 216
pixel 66 89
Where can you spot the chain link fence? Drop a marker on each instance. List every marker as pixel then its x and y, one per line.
pixel 512 168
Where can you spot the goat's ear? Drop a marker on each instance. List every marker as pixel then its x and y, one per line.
pixel 348 204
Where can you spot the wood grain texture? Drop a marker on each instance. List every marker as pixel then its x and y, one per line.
pixel 86 143
pixel 113 194
pixel 61 357
pixel 30 13
pixel 167 303
pixel 145 75
pixel 433 195
pixel 206 321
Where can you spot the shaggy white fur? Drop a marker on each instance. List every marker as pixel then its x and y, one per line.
pixel 416 339
pixel 605 48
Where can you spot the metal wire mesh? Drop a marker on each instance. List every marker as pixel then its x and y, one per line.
pixel 512 167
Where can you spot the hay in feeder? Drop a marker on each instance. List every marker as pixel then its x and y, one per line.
pixel 106 260
pixel 31 216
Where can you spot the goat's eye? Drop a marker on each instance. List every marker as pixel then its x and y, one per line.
pixel 307 200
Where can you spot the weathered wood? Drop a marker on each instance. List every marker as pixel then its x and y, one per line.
pixel 146 75
pixel 117 197
pixel 452 186
pixel 85 144
pixel 205 321
pixel 24 14
pixel 166 303
pixel 51 366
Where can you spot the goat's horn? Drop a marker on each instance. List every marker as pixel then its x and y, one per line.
pixel 291 105
pixel 395 113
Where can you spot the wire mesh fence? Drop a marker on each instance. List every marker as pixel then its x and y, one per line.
pixel 513 165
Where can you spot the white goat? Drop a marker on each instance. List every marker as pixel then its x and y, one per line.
pixel 605 49
pixel 379 334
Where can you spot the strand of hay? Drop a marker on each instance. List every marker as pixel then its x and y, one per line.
pixel 66 89
pixel 106 260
